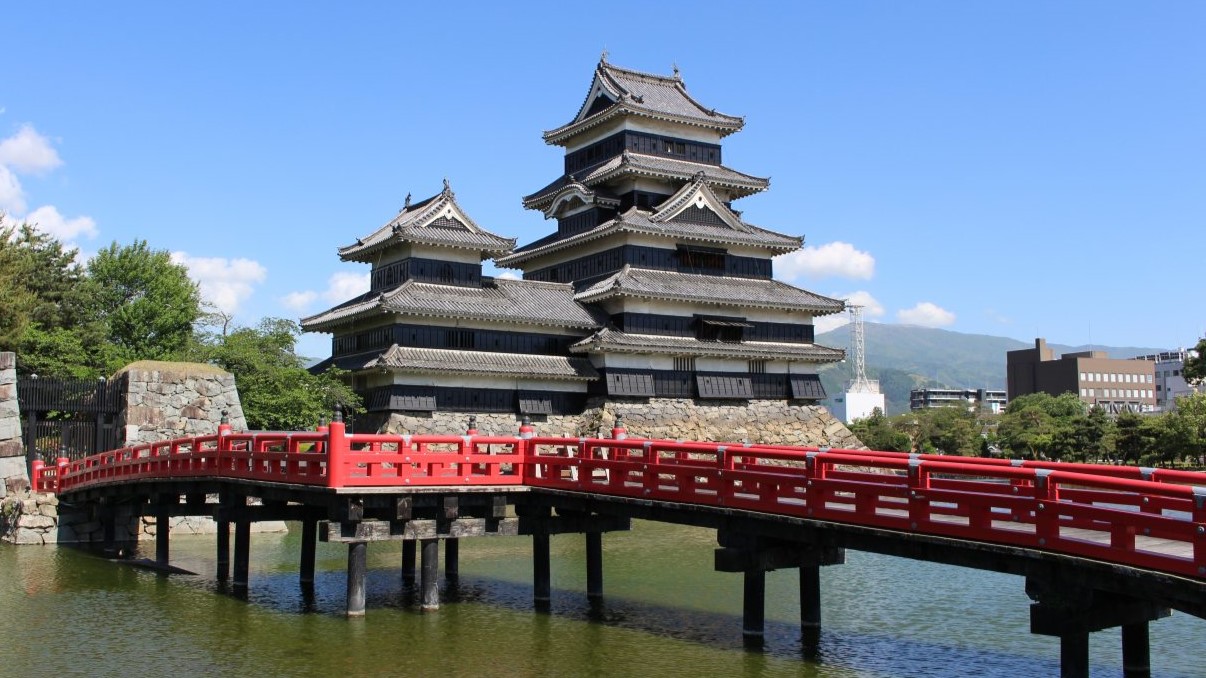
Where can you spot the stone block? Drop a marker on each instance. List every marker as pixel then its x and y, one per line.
pixel 10 427
pixel 8 360
pixel 13 467
pixel 8 391
pixel 27 537
pixel 36 522
pixel 11 448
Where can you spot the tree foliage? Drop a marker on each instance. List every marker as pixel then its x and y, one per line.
pixel 145 303
pixel 276 390
pixel 1194 369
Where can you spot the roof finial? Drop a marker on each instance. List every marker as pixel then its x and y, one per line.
pixel 407 205
pixel 674 65
pixel 603 56
pixel 446 188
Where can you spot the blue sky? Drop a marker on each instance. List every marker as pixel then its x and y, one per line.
pixel 1011 168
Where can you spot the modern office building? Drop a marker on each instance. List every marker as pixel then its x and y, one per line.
pixel 1170 383
pixel 1113 384
pixel 972 398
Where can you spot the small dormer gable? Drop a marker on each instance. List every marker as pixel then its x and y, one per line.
pixel 438 221
pixel 696 202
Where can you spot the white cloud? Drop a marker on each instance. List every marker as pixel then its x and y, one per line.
pixel 49 221
pixel 832 260
pixel 343 286
pixel 225 283
pixel 871 309
pixel 926 314
pixel 298 301
pixel 12 196
pixel 28 152
pixel 508 275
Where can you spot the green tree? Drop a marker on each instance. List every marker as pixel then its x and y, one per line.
pixel 275 389
pixel 144 301
pixel 1040 425
pixel 948 430
pixel 877 433
pixel 43 316
pixel 1194 369
pixel 1091 435
pixel 1132 443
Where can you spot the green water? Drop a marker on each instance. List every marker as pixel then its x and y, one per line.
pixel 666 613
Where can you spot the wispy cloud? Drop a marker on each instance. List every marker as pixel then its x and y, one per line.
pixel 28 152
pixel 226 283
pixel 926 314
pixel 341 286
pixel 831 260
pixel 871 309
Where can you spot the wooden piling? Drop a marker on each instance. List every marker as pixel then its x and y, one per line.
pixel 357 567
pixel 429 576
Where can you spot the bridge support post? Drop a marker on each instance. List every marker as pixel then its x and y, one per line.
pixel 452 559
pixel 223 548
pixel 753 615
pixel 408 561
pixel 357 567
pixel 594 565
pixel 162 529
pixel 309 526
pixel 810 597
pixel 242 554
pixel 1136 651
pixel 541 571
pixel 1065 608
pixel 430 582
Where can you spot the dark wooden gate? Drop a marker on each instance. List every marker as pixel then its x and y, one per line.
pixel 69 417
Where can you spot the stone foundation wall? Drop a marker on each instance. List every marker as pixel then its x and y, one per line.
pixel 758 421
pixel 14 473
pixel 167 400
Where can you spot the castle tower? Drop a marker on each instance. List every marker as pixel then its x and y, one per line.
pixel 647 234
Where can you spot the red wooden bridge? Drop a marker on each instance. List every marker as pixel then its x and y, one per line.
pixel 1100 546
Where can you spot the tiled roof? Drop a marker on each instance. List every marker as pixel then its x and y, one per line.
pixel 629 163
pixel 498 299
pixel 646 95
pixel 616 341
pixel 637 221
pixel 411 359
pixel 439 221
pixel 712 289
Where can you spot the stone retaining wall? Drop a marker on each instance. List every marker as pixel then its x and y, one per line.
pixel 780 422
pixel 174 400
pixel 14 474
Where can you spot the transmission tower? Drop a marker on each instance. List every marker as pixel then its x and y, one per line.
pixel 860 383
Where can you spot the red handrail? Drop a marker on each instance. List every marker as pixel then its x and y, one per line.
pixel 1109 513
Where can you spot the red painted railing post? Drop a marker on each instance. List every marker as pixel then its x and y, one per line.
pixel 337 449
pixel 1046 508
pixel 1199 530
pixel 618 431
pixel 61 465
pixel 814 470
pixel 919 503
pixel 36 481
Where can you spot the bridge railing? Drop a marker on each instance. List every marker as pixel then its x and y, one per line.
pixel 1152 518
pixel 1098 512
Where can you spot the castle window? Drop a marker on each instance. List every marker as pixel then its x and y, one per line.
pixel 757 367
pixel 684 364
pixel 460 339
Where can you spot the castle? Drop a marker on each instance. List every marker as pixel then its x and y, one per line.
pixel 653 298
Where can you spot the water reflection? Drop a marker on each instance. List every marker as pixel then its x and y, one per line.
pixel 665 612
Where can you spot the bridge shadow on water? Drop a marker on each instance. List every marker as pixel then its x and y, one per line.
pixel 839 651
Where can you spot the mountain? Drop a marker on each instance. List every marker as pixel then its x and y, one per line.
pixel 905 357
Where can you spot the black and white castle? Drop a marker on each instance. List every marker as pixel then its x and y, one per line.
pixel 653 298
